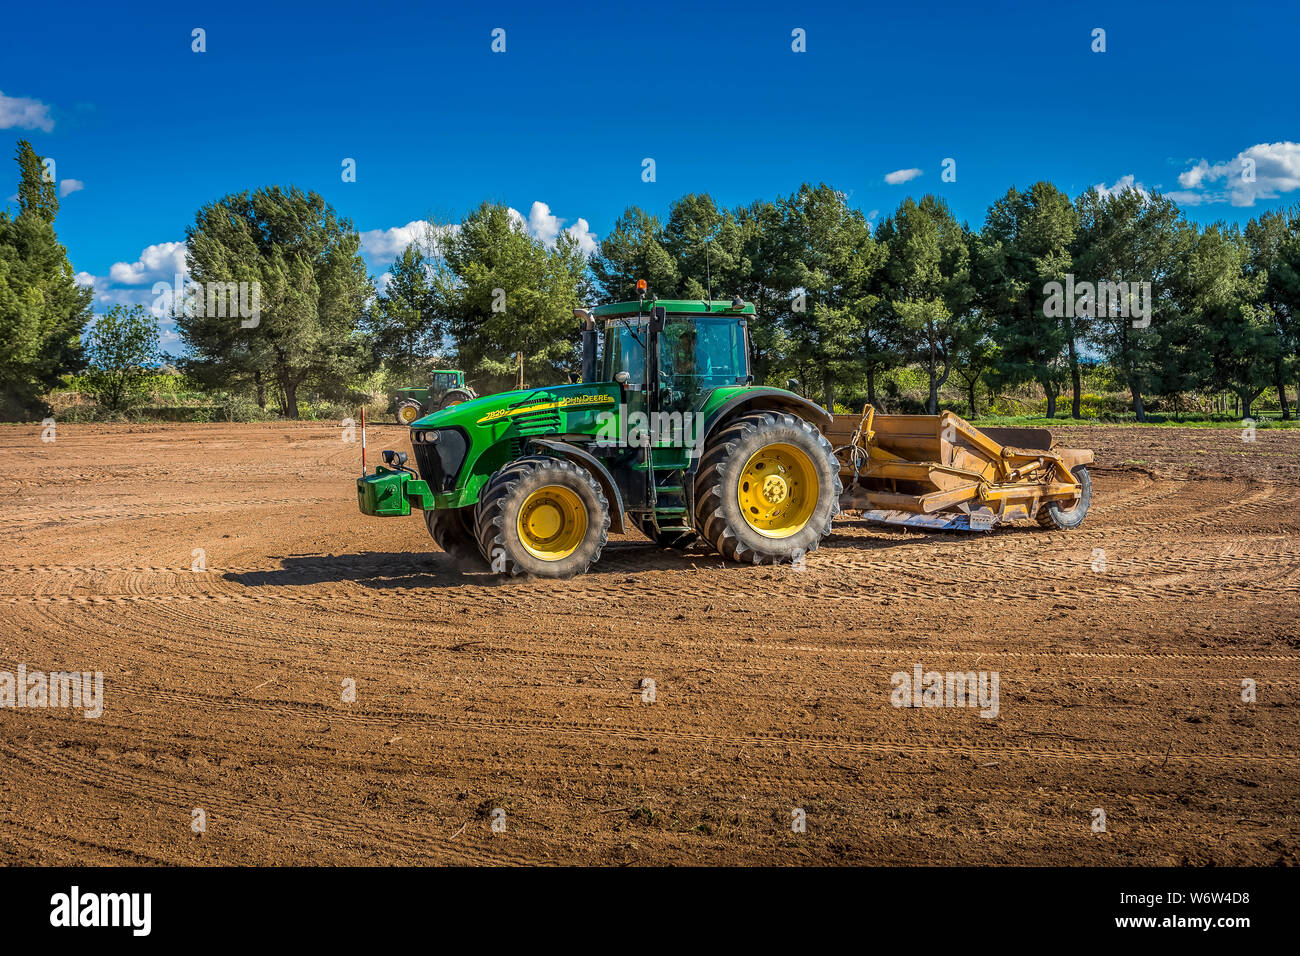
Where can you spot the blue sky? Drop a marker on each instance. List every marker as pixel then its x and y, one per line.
pixel 143 130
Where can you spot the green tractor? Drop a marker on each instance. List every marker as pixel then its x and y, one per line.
pixel 446 388
pixel 665 432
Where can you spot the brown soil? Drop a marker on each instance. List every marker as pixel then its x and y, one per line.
pixel 1119 689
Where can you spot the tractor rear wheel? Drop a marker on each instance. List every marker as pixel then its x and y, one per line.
pixel 452 530
pixel 542 516
pixel 408 410
pixel 1064 515
pixel 681 540
pixel 454 397
pixel 767 489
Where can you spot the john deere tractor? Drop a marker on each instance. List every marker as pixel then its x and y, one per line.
pixel 665 432
pixel 446 387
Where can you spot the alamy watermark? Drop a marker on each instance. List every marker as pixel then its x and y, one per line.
pixel 625 429
pixel 921 688
pixel 242 300
pixel 131 911
pixel 79 690
pixel 1127 300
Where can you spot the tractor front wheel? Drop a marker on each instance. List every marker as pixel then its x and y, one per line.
pixel 767 488
pixel 542 516
pixel 408 411
pixel 452 530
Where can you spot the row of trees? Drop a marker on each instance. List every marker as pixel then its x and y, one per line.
pixel 839 301
pixel 843 302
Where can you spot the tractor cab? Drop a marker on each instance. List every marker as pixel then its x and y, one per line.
pixel 668 356
pixel 445 381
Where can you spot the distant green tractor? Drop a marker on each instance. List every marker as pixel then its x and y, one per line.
pixel 447 387
pixel 665 433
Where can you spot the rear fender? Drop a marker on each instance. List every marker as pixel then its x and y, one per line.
pixel 768 399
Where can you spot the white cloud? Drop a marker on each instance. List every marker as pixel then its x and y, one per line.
pixel 1122 184
pixel 107 294
pixel 385 245
pixel 581 230
pixel 901 176
pixel 382 246
pixel 161 262
pixel 67 186
pixel 1264 171
pixel 132 283
pixel 544 225
pixel 24 113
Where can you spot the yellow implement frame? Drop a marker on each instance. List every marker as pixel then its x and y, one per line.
pixel 940 471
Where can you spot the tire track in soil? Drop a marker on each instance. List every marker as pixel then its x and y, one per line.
pixel 102 777
pixel 833 743
pixel 522 688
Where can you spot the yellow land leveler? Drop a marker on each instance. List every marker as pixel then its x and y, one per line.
pixel 941 472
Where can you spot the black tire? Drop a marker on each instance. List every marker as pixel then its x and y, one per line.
pixel 502 501
pixel 454 397
pixel 718 511
pixel 680 540
pixel 406 404
pixel 1062 516
pixel 452 530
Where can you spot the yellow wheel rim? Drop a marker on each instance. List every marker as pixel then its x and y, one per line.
pixel 408 414
pixel 778 490
pixel 552 522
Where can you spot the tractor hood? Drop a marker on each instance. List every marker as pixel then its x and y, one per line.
pixel 548 409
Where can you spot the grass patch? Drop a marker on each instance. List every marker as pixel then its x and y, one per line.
pixel 1156 419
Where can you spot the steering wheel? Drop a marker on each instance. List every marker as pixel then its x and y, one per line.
pixel 668 394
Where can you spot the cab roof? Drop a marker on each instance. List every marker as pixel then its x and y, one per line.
pixel 679 306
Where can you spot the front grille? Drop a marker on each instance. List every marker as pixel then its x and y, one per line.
pixel 537 423
pixel 427 463
pixel 439 463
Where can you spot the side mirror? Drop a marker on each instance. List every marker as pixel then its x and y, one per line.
pixel 658 319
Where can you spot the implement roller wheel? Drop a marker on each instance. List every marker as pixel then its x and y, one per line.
pixel 1065 515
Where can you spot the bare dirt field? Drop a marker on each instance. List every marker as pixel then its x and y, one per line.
pixel 1120 689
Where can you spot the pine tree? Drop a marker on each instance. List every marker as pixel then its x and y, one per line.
pixel 42 309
